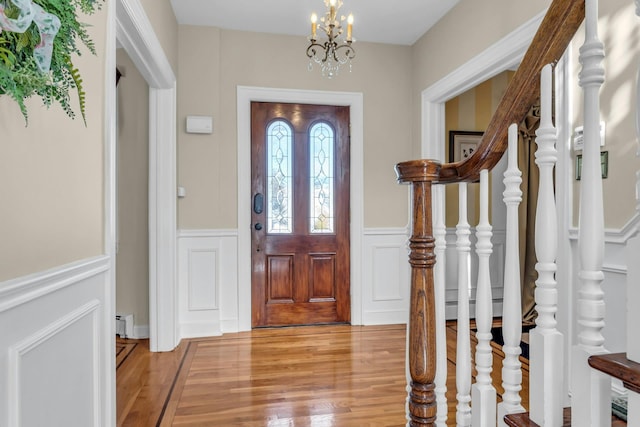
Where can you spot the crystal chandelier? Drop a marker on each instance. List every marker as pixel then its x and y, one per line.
pixel 333 53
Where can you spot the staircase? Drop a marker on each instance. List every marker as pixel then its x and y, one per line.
pixel 591 365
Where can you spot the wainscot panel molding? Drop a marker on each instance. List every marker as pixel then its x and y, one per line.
pixel 386 276
pixel 34 391
pixel 63 312
pixel 208 270
pixel 618 250
pixel 207 282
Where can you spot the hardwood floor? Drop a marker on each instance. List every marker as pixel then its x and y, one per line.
pixel 304 376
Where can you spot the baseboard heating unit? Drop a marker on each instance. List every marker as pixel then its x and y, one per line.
pixel 124 325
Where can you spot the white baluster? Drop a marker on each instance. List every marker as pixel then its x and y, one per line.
pixel 546 356
pixel 512 310
pixel 463 352
pixel 439 232
pixel 591 390
pixel 633 275
pixel 483 393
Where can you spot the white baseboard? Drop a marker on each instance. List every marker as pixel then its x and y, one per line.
pixel 390 317
pixel 229 325
pixel 140 332
pixel 199 330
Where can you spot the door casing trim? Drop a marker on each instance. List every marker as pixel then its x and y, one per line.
pixel 136 35
pixel 247 94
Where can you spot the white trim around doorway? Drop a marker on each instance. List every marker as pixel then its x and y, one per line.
pixel 245 95
pixel 135 33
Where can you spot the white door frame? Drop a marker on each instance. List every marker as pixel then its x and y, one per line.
pixel 354 100
pixel 503 55
pixel 135 33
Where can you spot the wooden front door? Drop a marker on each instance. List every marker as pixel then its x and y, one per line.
pixel 300 214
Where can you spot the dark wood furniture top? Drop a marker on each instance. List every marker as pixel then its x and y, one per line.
pixel 522 420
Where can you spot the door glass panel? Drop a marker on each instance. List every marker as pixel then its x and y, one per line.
pixel 321 173
pixel 279 178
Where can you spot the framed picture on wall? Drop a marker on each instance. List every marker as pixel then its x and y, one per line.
pixel 462 144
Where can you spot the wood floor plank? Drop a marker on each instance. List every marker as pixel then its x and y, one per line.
pixel 143 383
pixel 335 375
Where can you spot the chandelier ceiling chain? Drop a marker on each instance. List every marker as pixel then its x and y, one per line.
pixel 333 52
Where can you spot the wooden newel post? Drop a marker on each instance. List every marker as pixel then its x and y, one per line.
pixel 422 331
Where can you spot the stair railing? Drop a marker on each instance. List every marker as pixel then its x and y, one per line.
pixel 425 397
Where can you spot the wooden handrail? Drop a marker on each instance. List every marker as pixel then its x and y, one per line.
pixel 558 27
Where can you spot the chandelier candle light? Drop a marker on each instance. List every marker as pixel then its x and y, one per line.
pixel 332 53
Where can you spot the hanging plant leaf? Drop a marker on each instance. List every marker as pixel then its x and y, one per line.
pixel 21 74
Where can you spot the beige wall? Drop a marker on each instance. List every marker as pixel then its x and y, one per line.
pixel 200 166
pixel 467 30
pixel 51 175
pixel 132 257
pixel 618 28
pixel 208 82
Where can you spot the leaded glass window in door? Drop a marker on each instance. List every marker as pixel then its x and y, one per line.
pixel 321 178
pixel 279 178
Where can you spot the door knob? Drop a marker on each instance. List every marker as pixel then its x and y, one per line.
pixel 258 226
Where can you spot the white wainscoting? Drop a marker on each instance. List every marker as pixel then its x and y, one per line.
pixel 207 282
pixel 386 276
pixel 496 270
pixel 57 347
pixel 617 251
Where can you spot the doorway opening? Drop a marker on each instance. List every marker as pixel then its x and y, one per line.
pixel 245 95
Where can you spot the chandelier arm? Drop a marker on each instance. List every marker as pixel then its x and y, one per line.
pixel 312 52
pixel 344 53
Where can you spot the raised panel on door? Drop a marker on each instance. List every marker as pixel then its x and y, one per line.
pixel 280 279
pixel 323 277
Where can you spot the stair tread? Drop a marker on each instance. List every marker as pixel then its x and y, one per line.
pixel 522 420
pixel 618 366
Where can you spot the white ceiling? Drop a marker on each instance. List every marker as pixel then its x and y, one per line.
pixel 381 21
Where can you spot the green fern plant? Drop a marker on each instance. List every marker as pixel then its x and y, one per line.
pixel 20 77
